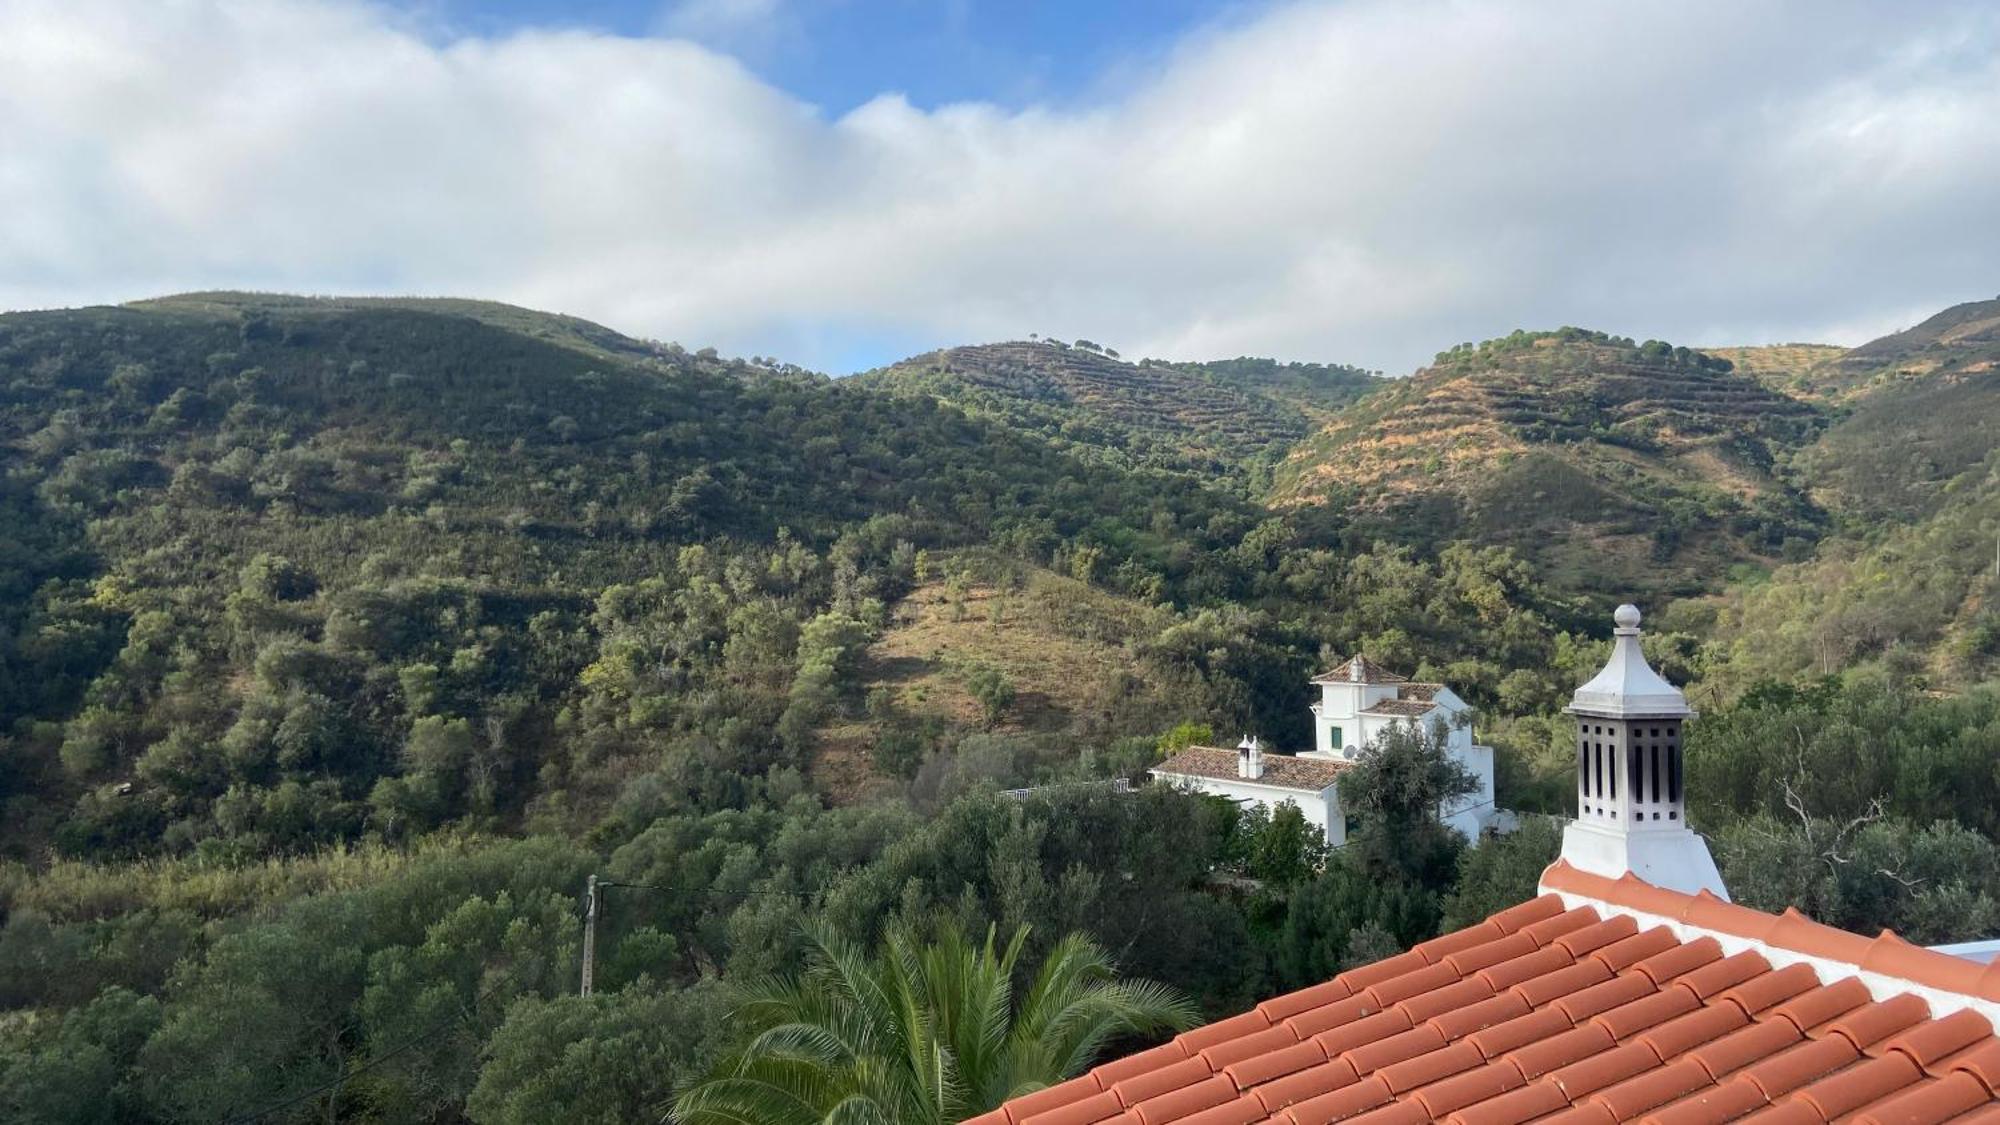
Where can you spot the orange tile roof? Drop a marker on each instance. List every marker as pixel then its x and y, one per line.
pixel 1630 1003
pixel 1370 673
pixel 1282 771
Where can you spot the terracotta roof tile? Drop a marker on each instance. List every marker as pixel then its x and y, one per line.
pixel 1872 1023
pixel 1711 1106
pixel 1371 673
pixel 1745 1045
pixel 1589 1114
pixel 1370 1057
pixel 1557 1051
pixel 1241 1111
pixel 1185 1101
pixel 1395 1113
pixel 1680 959
pixel 1726 973
pixel 1491 953
pixel 1652 1089
pixel 1684 1033
pixel 1438 948
pixel 1866 1081
pixel 1527 913
pixel 1758 993
pixel 1478 1017
pixel 1525 1104
pixel 1528 966
pixel 1400 708
pixel 1585 1014
pixel 1305 1084
pixel 1812 1008
pixel 1603 996
pixel 1939 1101
pixel 1475 1085
pixel 1566 981
pixel 1272 1065
pixel 1623 954
pixel 1794 1067
pixel 1790 1113
pixel 1061 1094
pixel 1981 1060
pixel 1281 771
pixel 1931 1040
pixel 1451 998
pixel 1431 1066
pixel 1372 1029
pixel 1248 1046
pixel 1098 1107
pixel 1587 1076
pixel 1153 1083
pixel 1647 1011
pixel 1406 962
pixel 1519 1032
pixel 1616 928
pixel 1414 983
pixel 1348 1101
pixel 1208 1035
pixel 1292 1003
pixel 1329 1016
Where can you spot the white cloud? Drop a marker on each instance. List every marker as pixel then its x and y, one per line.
pixel 1364 182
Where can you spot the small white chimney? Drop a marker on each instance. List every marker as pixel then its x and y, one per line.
pixel 1250 758
pixel 1631 809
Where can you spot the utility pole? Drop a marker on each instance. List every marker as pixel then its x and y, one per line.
pixel 592 897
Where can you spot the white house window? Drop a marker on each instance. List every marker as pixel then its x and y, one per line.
pixel 1336 737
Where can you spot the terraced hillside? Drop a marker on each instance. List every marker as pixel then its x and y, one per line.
pixel 1601 458
pixel 1210 419
pixel 1923 408
pixel 1797 370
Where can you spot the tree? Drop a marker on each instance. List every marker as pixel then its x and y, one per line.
pixel 1391 797
pixel 1502 871
pixel 927 1032
pixel 595 1060
pixel 994 691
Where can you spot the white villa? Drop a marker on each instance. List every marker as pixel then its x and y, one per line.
pixel 1358 701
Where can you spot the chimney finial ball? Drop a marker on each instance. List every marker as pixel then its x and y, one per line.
pixel 1626 616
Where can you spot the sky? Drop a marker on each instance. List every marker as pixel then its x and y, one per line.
pixel 840 183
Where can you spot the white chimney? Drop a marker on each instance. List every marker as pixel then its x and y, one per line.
pixel 1249 758
pixel 1631 808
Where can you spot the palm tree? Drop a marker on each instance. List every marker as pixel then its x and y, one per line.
pixel 926 1034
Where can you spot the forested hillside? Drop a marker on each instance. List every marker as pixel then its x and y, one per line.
pixel 340 640
pixel 1908 469
pixel 1220 420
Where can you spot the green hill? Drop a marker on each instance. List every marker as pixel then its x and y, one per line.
pixel 253 543
pixel 1923 408
pixel 1613 464
pixel 1908 468
pixel 1209 418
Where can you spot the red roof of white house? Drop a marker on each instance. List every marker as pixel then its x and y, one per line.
pixel 1603 1000
pixel 1281 771
pixel 1361 670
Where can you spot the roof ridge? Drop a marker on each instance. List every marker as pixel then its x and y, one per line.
pixel 1886 955
pixel 1371 672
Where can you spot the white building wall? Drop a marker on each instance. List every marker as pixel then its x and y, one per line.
pixel 1320 809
